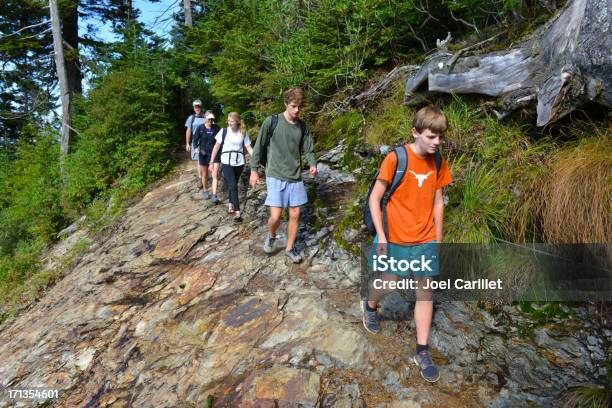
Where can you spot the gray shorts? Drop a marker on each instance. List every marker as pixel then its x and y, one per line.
pixel 283 193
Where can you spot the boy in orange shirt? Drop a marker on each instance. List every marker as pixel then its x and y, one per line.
pixel 415 213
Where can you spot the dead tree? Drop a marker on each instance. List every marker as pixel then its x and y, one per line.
pixel 188 17
pixel 65 97
pixel 564 64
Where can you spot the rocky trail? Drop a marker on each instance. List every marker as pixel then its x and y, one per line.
pixel 180 307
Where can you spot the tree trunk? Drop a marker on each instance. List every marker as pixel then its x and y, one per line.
pixel 61 75
pixel 563 65
pixel 188 18
pixel 70 34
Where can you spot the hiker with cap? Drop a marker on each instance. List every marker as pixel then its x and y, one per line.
pixel 204 142
pixel 192 123
pixel 231 142
pixel 282 140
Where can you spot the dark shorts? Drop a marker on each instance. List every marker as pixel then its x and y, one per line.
pixel 204 159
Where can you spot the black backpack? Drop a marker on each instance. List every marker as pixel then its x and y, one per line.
pixel 193 118
pixel 398 176
pixel 263 156
pixel 198 140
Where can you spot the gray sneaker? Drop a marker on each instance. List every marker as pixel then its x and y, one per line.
pixel 429 371
pixel 206 195
pixel 269 244
pixel 215 199
pixel 370 319
pixel 295 257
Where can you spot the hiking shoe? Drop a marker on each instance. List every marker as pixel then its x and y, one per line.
pixel 206 195
pixel 215 199
pixel 294 256
pixel 370 319
pixel 429 371
pixel 269 244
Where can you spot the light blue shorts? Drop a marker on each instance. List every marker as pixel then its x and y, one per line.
pixel 194 155
pixel 283 193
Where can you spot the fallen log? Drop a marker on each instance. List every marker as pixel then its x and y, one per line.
pixel 563 65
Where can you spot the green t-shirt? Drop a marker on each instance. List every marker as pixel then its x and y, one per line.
pixel 284 149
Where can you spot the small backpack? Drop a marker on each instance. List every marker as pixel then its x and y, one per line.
pixel 200 141
pixel 263 157
pixel 398 176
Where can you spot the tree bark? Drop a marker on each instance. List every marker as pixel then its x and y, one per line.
pixel 563 65
pixel 70 34
pixel 188 17
pixel 61 75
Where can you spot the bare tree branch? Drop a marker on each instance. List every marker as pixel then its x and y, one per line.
pixel 418 38
pixel 464 22
pixel 26 28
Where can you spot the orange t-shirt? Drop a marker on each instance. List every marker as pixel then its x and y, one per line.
pixel 410 214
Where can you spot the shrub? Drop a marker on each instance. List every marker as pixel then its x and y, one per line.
pixel 31 190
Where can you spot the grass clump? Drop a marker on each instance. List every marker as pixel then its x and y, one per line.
pixel 589 396
pixel 345 126
pixel 577 193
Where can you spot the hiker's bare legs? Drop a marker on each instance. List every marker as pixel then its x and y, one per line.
pixel 376 295
pixel 423 312
pixel 215 178
pixel 199 169
pixel 204 177
pixel 274 220
pixel 292 228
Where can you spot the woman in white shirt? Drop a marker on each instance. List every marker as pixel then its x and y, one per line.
pixel 232 157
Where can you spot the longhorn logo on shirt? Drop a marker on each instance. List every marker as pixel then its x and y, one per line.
pixel 420 177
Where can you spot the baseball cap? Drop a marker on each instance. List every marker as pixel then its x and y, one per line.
pixel 209 115
pixel 197 102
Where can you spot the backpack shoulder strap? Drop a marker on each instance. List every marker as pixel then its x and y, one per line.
pixel 438 160
pixel 400 170
pixel 223 135
pixel 273 123
pixel 303 129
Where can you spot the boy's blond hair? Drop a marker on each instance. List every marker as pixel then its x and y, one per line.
pixel 432 118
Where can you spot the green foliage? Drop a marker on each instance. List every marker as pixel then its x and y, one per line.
pixel 121 144
pixel 346 126
pixel 480 207
pixel 16 269
pixel 392 127
pixel 124 140
pixel 252 50
pixel 31 190
pixel 27 68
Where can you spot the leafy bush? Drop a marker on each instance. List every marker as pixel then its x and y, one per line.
pixel 31 190
pixel 124 141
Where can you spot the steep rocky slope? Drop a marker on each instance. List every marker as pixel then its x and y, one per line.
pixel 179 306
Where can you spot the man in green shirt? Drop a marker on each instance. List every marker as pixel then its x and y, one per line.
pixel 283 148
